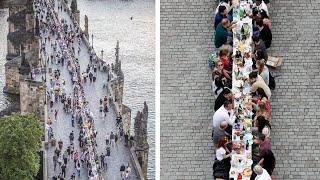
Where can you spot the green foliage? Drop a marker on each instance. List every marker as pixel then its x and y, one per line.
pixel 19 146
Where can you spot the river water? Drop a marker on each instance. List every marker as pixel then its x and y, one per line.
pixel 5 100
pixel 132 22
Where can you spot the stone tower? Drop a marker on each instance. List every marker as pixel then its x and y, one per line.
pixel 21 28
pixel 23 43
pixel 86 26
pixel 141 145
pixel 119 77
pixel 32 97
pixel 75 11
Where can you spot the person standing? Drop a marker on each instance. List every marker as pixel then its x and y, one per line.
pixel 108 152
pixel 112 139
pixel 90 76
pixel 116 137
pixel 71 137
pixel 102 160
pixel 105 161
pixel 72 120
pixel 78 169
pixel 65 157
pixel 63 169
pixel 107 139
pixel 122 169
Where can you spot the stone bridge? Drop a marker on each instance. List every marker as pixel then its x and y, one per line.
pixel 28 75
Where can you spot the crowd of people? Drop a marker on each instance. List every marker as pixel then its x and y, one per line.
pixel 259 81
pixel 63 39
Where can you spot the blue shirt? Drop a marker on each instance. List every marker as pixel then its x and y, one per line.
pixel 217 19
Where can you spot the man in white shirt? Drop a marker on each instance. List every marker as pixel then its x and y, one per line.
pixel 262 174
pixel 224 113
pixel 261 5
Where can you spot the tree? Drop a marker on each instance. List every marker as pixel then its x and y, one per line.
pixel 20 142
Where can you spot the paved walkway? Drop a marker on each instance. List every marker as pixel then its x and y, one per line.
pixel 62 127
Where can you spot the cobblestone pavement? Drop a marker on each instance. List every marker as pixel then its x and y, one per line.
pixel 187 101
pixel 62 127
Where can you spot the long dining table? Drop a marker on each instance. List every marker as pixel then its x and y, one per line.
pixel 242 138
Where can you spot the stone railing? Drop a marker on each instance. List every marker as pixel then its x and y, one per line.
pixel 136 164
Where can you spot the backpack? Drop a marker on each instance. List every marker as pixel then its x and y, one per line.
pixel 272 82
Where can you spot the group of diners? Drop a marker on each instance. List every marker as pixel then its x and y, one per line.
pixel 259 81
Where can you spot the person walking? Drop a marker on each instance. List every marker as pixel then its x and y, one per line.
pixel 71 137
pixel 63 169
pixel 107 139
pixel 55 160
pixel 116 137
pixel 112 139
pixel 65 157
pixel 72 120
pixel 108 152
pixel 60 144
pixel 101 109
pixel 102 160
pixel 122 169
pixel 90 76
pixel 78 169
pixel 56 114
pixel 105 161
pixel 75 157
pixel 69 151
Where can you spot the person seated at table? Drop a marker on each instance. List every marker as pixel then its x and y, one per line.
pixel 222 32
pixel 263 70
pixel 260 5
pixel 222 152
pixel 262 110
pixel 224 113
pixel 221 166
pixel 267 2
pixel 225 57
pixel 225 3
pixel 220 77
pixel 264 144
pixel 227 46
pixel 263 126
pixel 264 32
pixel 222 13
pixel 219 132
pixel 258 55
pixel 266 19
pixel 226 94
pixel 268 161
pixel 256 82
pixel 262 174
pixel 259 45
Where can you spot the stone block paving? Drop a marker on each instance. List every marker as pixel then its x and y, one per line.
pixel 186 29
pixel 295 102
pixel 62 127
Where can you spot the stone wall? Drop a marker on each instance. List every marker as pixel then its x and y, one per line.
pixel 32 98
pixel 12 78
